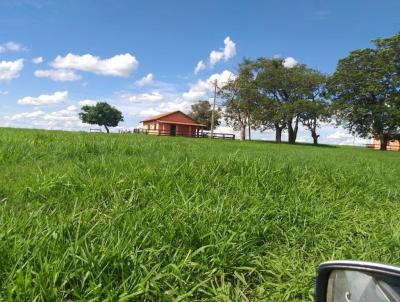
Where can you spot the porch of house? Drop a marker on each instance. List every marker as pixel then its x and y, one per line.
pixel 173 129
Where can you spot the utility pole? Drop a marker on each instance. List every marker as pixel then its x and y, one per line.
pixel 213 109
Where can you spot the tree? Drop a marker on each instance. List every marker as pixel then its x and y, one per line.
pixel 248 93
pixel 241 100
pixel 287 87
pixel 235 113
pixel 270 115
pixel 365 89
pixel 101 114
pixel 314 111
pixel 202 112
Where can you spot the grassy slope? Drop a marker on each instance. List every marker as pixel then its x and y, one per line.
pixel 132 217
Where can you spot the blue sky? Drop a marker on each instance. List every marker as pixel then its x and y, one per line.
pixel 100 50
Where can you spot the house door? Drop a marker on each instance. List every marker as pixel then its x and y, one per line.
pixel 173 130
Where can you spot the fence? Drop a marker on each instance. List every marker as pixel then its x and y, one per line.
pixel 378 146
pixel 197 134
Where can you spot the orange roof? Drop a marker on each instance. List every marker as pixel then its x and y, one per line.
pixel 179 123
pixel 156 117
pixel 159 116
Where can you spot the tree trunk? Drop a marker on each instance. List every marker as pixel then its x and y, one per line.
pixel 314 136
pixel 249 131
pixel 242 132
pixel 292 132
pixel 313 129
pixel 291 139
pixel 384 142
pixel 108 130
pixel 296 128
pixel 278 134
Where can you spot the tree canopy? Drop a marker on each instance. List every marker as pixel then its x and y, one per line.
pixel 365 91
pixel 101 114
pixel 286 92
pixel 202 112
pixel 241 99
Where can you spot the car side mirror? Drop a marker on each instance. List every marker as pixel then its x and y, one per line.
pixel 357 281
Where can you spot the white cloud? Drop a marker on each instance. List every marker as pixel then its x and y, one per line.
pixel 224 54
pixel 11 46
pixel 228 52
pixel 165 107
pixel 342 137
pixel 154 96
pixel 199 67
pixel 87 103
pixel 67 118
pixel 58 75
pixel 37 60
pixel 149 112
pixel 119 66
pixel 202 88
pixel 72 108
pixel 10 69
pixel 290 62
pixel 146 80
pixel 148 104
pixel 26 115
pixel 44 99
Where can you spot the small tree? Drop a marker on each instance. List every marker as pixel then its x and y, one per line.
pixel 241 100
pixel 235 112
pixel 202 112
pixel 101 114
pixel 312 113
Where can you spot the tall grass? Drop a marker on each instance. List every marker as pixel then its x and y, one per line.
pixel 99 217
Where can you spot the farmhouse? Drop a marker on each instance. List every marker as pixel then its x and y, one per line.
pixel 393 145
pixel 174 123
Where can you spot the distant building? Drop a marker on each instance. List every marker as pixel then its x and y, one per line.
pixel 174 123
pixel 393 145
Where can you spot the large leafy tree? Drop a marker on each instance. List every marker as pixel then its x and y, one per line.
pixel 365 89
pixel 202 112
pixel 286 87
pixel 101 114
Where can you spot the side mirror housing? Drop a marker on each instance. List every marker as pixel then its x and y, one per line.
pixel 357 281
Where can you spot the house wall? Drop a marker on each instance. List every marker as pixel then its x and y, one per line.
pixel 392 145
pixel 156 128
pixel 151 127
pixel 160 128
pixel 177 117
pixel 181 130
pixel 185 130
pixel 165 129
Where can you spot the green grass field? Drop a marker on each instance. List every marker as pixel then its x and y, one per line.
pixel 99 217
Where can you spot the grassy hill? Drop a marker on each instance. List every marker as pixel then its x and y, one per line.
pixel 134 218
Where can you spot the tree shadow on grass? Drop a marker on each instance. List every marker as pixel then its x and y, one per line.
pixel 299 144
